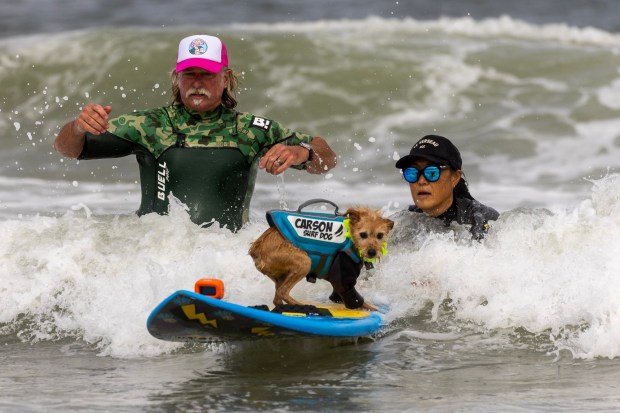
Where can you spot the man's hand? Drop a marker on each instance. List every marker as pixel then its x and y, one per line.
pixel 280 157
pixel 70 140
pixel 93 118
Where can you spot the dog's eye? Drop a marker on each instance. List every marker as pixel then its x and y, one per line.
pixel 363 235
pixel 380 235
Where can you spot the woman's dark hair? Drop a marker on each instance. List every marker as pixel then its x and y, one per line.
pixel 461 190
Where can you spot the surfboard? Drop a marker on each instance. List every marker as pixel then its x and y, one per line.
pixel 189 316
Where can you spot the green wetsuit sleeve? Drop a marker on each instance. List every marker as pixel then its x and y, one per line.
pixel 286 136
pixel 275 133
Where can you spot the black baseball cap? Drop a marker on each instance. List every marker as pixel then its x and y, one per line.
pixel 433 148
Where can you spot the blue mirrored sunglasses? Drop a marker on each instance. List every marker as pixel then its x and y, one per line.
pixel 431 173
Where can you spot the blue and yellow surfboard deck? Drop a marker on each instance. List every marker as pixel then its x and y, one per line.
pixel 188 316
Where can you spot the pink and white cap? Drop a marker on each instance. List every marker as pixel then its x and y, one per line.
pixel 204 51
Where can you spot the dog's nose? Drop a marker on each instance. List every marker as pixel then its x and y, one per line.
pixel 371 252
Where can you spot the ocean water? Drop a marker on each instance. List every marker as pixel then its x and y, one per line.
pixel 527 320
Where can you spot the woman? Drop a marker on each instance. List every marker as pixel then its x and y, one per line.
pixel 438 187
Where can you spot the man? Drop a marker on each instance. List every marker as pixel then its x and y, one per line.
pixel 198 149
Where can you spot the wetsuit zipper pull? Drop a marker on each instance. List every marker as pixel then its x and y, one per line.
pixel 180 140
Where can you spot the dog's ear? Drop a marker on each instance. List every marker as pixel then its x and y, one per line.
pixel 353 214
pixel 389 223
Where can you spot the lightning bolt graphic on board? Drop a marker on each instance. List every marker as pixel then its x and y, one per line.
pixel 190 313
pixel 262 331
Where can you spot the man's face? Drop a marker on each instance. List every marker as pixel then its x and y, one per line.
pixel 202 90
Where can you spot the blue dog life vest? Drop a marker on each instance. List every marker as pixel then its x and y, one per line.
pixel 320 235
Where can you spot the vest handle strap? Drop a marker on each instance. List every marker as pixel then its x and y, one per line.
pixel 318 201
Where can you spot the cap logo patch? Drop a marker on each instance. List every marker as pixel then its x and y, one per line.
pixel 198 47
pixel 421 143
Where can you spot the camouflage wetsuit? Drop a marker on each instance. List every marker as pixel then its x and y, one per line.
pixel 207 160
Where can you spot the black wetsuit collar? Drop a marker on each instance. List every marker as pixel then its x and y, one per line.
pixel 450 214
pixel 447 217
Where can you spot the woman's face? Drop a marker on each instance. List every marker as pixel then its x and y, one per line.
pixel 434 198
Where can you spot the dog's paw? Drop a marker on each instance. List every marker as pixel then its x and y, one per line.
pixel 335 297
pixel 370 307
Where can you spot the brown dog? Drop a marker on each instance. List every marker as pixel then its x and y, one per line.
pixel 286 264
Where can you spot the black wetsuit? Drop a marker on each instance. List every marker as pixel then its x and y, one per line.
pixel 343 275
pixel 467 211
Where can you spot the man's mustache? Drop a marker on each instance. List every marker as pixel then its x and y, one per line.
pixel 200 91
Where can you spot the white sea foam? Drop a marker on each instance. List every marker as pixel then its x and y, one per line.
pixel 521 101
pixel 490 85
pixel 466 26
pixel 552 273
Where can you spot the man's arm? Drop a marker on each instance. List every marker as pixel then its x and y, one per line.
pixel 70 140
pixel 280 157
pixel 323 158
